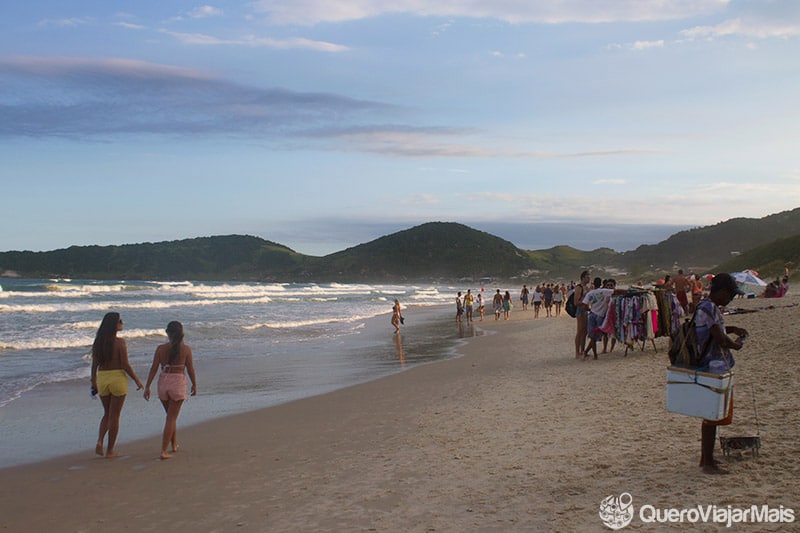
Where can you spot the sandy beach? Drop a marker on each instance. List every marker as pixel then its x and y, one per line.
pixel 515 435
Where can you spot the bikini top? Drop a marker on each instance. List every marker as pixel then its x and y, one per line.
pixel 172 369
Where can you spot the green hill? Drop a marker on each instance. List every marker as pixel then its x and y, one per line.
pixel 432 251
pixel 706 247
pixel 565 262
pixel 229 257
pixel 768 260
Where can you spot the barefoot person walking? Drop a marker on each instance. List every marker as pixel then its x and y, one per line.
pixel 110 371
pixel 174 358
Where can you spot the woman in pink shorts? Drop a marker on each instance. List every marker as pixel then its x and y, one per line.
pixel 175 359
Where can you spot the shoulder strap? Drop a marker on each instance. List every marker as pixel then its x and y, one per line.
pixel 707 345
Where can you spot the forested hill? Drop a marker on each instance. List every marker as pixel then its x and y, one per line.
pixel 709 246
pixel 224 257
pixel 432 251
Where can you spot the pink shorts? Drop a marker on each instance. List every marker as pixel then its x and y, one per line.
pixel 171 386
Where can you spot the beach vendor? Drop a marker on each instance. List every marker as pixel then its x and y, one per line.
pixel 709 324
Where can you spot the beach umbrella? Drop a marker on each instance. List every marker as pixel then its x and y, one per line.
pixel 748 277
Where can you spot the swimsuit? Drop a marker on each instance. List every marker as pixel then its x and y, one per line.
pixel 171 385
pixel 113 382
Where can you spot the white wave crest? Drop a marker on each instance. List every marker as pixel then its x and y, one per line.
pixel 62 342
pixel 294 324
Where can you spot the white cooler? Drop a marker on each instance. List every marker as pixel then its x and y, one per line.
pixel 699 394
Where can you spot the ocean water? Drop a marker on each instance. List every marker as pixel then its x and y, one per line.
pixel 254 344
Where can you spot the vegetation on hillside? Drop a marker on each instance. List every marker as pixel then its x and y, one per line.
pixel 436 250
pixel 432 251
pixel 225 257
pixel 704 248
pixel 768 260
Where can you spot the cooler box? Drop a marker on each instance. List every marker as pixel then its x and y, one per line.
pixel 699 394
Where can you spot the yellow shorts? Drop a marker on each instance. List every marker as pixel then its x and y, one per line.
pixel 113 382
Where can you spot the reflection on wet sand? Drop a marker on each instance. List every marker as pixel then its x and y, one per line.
pixel 470 330
pixel 398 344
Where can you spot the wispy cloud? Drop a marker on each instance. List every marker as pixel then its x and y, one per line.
pixel 256 42
pixel 711 201
pixel 130 26
pixel 81 98
pixel 421 199
pixel 311 12
pixel 99 99
pixel 205 12
pixel 749 28
pixel 441 142
pixel 71 22
pixel 645 45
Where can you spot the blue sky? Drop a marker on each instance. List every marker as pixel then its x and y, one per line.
pixel 321 125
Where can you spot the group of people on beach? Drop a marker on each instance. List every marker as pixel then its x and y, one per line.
pixel 549 296
pixel 683 286
pixel 110 371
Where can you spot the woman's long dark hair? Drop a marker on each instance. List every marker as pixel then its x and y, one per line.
pixel 103 346
pixel 175 334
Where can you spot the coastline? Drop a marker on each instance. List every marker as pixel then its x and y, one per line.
pixel 513 435
pixel 55 418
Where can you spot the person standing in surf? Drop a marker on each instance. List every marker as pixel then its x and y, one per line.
pixel 397 316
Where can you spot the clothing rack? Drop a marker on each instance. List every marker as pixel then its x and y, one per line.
pixel 641 315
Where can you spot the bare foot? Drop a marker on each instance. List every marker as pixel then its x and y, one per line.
pixel 164 456
pixel 113 455
pixel 175 448
pixel 714 470
pixel 98 449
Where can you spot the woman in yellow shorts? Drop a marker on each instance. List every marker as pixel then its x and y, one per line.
pixel 110 371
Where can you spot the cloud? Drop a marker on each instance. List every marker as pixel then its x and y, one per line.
pixel 749 25
pixel 102 99
pixel 310 12
pixel 442 142
pixel 420 199
pixel 81 98
pixel 64 23
pixel 205 12
pixel 644 45
pixel 129 26
pixel 709 203
pixel 256 42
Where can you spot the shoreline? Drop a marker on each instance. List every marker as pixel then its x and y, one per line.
pixel 63 411
pixel 512 435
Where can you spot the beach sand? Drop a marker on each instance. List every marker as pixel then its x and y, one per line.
pixel 516 435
